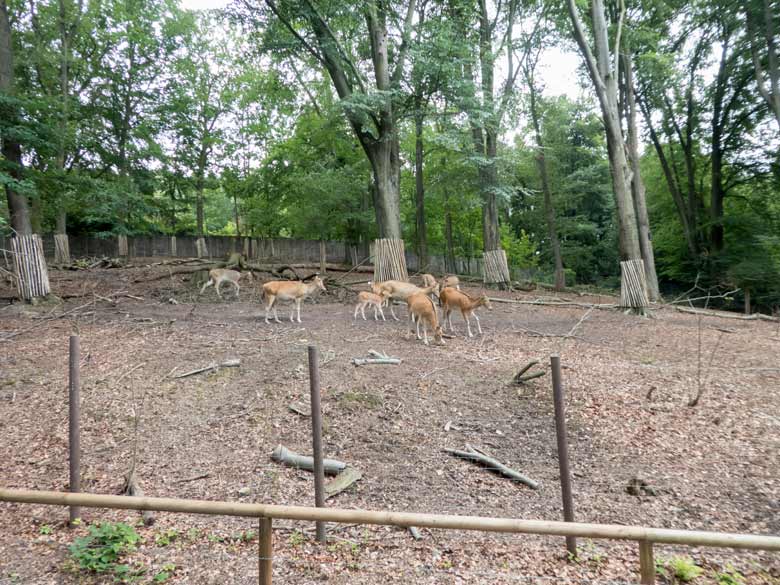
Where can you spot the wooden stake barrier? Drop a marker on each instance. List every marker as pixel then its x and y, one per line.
pixel 32 276
pixel 633 285
pixel 389 260
pixel 495 267
pixel 200 247
pixel 645 536
pixel 122 246
pixel 61 249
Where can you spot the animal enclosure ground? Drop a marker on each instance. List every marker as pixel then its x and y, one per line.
pixel 210 436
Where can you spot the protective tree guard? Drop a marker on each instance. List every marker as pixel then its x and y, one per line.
pixel 122 246
pixel 61 249
pixel 200 247
pixel 633 285
pixel 389 260
pixel 496 268
pixel 32 276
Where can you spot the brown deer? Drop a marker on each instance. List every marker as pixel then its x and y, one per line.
pixel 422 311
pixel 285 290
pixel 452 298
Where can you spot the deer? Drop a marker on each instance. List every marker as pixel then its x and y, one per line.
pixel 422 311
pixel 452 298
pixel 452 281
pixel 428 279
pixel 366 298
pixel 397 289
pixel 285 290
pixel 219 275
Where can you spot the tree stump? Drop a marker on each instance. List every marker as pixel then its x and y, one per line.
pixel 633 285
pixel 389 260
pixel 496 268
pixel 32 277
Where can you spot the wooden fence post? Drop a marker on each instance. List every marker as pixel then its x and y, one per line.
pixel 646 562
pixel 563 451
pixel 265 551
pixel 74 408
pixel 316 431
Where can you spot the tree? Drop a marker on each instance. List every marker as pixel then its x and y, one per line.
pixel 762 20
pixel 11 148
pixel 370 109
pixel 603 64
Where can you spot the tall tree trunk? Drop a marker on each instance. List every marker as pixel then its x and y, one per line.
pixel 637 185
pixel 419 192
pixel 386 192
pixel 716 154
pixel 672 184
pixel 12 151
pixel 235 214
pixel 756 15
pixel 448 242
pixel 549 209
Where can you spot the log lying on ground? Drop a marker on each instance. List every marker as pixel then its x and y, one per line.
pixel 286 457
pixel 232 363
pixel 726 315
pixel 133 488
pixel 493 465
pixel 376 358
pixel 342 481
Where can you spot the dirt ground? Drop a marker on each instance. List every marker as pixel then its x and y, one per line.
pixel 715 466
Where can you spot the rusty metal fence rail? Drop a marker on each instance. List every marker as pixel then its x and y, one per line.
pixel 645 537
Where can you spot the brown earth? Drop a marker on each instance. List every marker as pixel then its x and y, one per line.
pixel 628 380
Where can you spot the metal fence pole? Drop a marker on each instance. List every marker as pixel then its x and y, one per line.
pixel 563 451
pixel 316 432
pixel 73 422
pixel 265 551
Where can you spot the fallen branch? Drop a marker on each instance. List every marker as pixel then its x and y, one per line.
pixel 376 358
pixel 232 363
pixel 520 378
pixel 195 478
pixel 726 315
pixel 493 465
pixel 342 481
pixel 291 459
pixel 555 303
pixel 44 320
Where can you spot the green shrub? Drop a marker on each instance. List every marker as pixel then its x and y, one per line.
pixel 101 550
pixel 684 568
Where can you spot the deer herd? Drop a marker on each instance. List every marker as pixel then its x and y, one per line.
pixel 423 312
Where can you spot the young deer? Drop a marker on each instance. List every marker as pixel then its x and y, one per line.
pixel 397 289
pixel 285 290
pixel 219 275
pixel 451 298
pixel 422 311
pixel 365 299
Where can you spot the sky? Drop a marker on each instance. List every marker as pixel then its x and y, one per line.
pixel 559 74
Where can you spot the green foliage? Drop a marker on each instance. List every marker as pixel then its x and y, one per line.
pixel 165 573
pixel 729 576
pixel 166 537
pixel 102 549
pixel 684 569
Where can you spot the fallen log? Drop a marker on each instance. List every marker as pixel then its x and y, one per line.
pixel 725 315
pixel 493 465
pixel 342 481
pixel 291 459
pixel 232 363
pixel 376 358
pixel 133 488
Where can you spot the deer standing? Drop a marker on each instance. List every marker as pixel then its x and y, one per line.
pixel 397 289
pixel 366 299
pixel 219 275
pixel 452 298
pixel 285 290
pixel 422 311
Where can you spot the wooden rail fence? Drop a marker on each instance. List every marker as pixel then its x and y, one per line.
pixel 645 537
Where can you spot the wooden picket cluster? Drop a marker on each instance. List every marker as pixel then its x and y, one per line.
pixel 32 276
pixel 496 267
pixel 389 260
pixel 633 285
